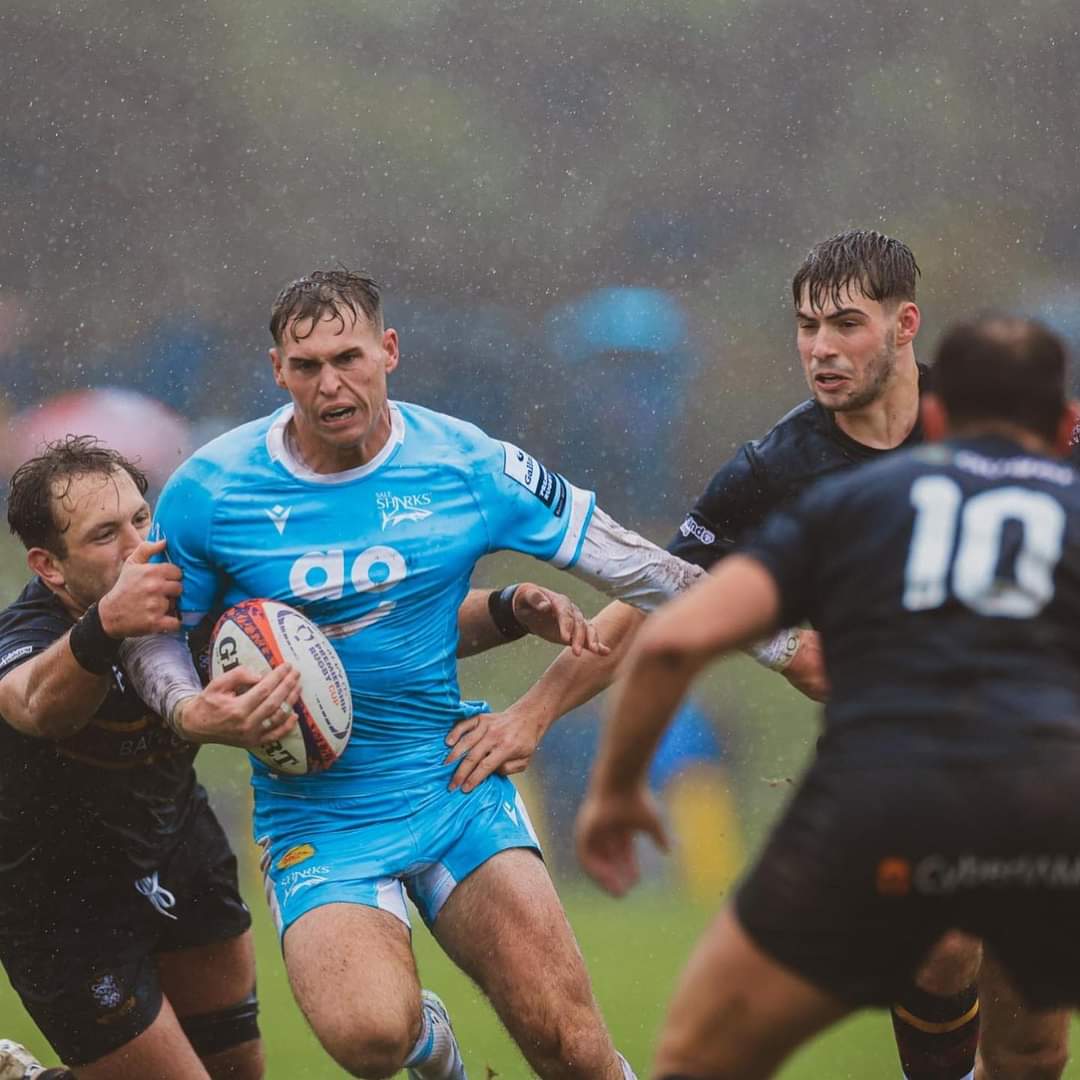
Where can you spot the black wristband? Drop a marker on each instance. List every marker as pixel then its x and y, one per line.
pixel 92 648
pixel 501 609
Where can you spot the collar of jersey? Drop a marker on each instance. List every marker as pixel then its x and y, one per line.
pixel 278 448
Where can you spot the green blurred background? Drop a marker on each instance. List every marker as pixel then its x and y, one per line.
pixel 586 215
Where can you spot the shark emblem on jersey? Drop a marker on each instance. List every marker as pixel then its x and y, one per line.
pixel 279 515
pixel 394 509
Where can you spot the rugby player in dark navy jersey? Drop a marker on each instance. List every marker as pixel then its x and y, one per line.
pixel 856 321
pixel 942 792
pixel 121 926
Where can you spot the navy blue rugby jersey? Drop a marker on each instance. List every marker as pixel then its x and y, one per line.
pixel 116 794
pixel 767 473
pixel 955 611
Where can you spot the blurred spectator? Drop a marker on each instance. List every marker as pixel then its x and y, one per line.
pixel 628 363
pixel 689 772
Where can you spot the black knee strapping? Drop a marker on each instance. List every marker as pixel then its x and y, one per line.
pixel 211 1033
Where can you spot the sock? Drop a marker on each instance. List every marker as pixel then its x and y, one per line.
pixel 628 1073
pixel 436 1055
pixel 937 1036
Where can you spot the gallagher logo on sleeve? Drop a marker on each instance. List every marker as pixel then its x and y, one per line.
pixel 548 487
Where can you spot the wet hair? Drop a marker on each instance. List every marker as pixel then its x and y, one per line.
pixel 882 268
pixel 324 292
pixel 1002 367
pixel 43 480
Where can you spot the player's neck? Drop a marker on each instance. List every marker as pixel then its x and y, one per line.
pixel 325 458
pixel 1025 439
pixel 888 420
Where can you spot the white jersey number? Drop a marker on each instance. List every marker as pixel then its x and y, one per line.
pixel 942 515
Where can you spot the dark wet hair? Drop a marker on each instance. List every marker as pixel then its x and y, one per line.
pixel 322 292
pixel 1002 367
pixel 881 267
pixel 33 488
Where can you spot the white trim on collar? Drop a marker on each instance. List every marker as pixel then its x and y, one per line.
pixel 277 447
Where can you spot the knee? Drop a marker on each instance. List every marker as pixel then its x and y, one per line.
pixel 952 965
pixel 1043 1060
pixel 374 1050
pixel 575 1045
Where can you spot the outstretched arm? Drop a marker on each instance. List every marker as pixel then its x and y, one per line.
pixel 736 606
pixel 489 618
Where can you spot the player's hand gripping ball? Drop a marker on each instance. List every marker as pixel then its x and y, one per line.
pixel 260 635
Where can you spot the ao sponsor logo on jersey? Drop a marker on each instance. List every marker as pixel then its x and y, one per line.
pixel 321 575
pixel 394 509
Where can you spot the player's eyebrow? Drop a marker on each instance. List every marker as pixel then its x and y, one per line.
pixel 300 358
pixel 840 314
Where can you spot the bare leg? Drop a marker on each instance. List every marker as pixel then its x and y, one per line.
pixel 1017 1043
pixel 353 974
pixel 505 927
pixel 207 979
pixel 737 1014
pixel 162 1051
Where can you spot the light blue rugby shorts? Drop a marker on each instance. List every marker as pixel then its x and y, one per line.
pixel 373 849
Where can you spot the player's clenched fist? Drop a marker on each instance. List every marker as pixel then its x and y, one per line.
pixel 606 826
pixel 144 597
pixel 240 709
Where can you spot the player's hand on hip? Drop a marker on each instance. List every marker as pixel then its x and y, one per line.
pixel 143 600
pixel 491 742
pixel 554 617
pixel 607 824
pixel 241 709
pixel 806 672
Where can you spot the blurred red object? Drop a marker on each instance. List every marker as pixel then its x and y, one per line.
pixel 140 427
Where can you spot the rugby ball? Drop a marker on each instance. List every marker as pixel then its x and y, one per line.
pixel 260 635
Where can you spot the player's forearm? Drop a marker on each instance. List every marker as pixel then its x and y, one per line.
pixel 477 630
pixel 572 680
pixel 160 669
pixel 52 696
pixel 630 568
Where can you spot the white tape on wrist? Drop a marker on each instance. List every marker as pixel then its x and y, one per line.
pixel 777 652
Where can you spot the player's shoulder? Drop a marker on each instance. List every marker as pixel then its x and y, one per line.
pixel 230 456
pixel 437 438
pixel 790 436
pixel 35 610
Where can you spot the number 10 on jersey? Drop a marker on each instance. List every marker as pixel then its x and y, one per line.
pixel 963 538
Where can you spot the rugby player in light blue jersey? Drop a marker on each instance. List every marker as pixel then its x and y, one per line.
pixel 369 515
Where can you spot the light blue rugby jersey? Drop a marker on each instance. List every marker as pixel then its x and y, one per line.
pixel 380 557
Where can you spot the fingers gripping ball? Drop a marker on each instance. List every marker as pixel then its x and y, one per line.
pixel 260 635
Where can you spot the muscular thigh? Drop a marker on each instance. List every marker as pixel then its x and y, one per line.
pixel 505 927
pixel 351 969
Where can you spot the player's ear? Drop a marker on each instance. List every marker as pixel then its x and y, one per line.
pixel 46 566
pixel 1068 427
pixel 935 417
pixel 908 321
pixel 275 363
pixel 391 348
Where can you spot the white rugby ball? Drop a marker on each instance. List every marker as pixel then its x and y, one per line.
pixel 260 635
